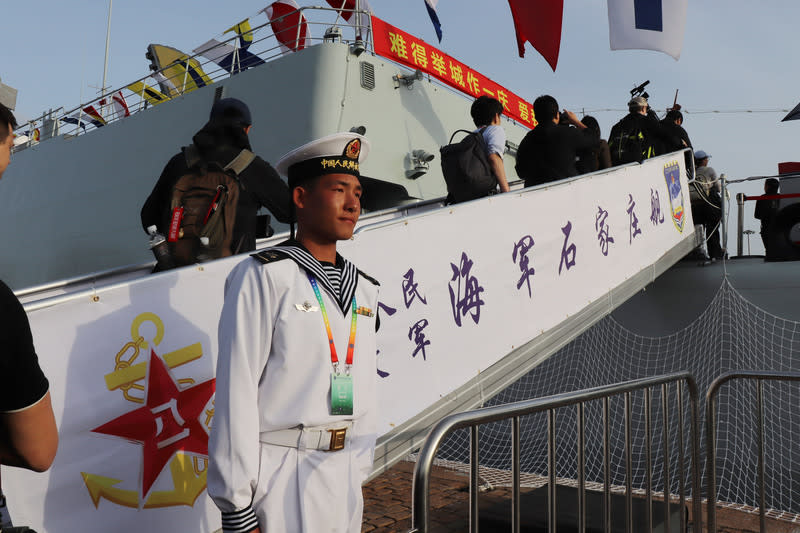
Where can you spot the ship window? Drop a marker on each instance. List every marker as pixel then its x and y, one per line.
pixel 367 75
pixel 218 92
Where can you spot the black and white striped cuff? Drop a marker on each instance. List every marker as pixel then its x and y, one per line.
pixel 241 521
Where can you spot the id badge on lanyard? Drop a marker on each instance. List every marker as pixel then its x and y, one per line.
pixel 341 394
pixel 341 383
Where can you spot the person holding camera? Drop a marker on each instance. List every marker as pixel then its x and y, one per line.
pixel 548 152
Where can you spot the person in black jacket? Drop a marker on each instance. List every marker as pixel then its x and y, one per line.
pixel 673 122
pixel 28 431
pixel 639 135
pixel 223 137
pixel 766 210
pixel 596 158
pixel 548 152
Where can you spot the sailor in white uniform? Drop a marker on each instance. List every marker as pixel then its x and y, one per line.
pixel 294 431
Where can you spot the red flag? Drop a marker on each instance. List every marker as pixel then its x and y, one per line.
pixel 539 23
pixel 120 105
pixel 346 7
pixel 288 24
pixel 94 116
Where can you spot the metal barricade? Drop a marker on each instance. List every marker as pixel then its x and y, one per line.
pixel 711 400
pixel 420 520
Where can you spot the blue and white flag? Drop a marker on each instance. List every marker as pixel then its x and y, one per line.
pixel 75 118
pixel 227 56
pixel 430 5
pixel 647 25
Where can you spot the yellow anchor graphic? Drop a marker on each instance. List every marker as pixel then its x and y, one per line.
pixel 188 481
pixel 188 472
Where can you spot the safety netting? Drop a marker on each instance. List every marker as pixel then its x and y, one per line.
pixel 730 334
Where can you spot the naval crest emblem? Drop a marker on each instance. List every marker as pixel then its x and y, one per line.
pixel 353 149
pixel 672 175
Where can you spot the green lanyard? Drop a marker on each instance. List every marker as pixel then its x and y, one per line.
pixel 351 345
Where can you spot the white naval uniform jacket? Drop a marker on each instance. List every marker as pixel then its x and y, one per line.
pixel 273 373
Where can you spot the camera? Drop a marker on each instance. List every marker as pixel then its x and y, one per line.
pixel 639 91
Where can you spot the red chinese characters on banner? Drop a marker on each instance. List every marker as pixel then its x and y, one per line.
pixel 397 45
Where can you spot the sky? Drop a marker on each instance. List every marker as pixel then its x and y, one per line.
pixel 734 75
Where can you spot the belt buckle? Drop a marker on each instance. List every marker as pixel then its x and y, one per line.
pixel 337 439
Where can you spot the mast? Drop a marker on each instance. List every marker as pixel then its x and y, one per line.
pixel 357 21
pixel 108 40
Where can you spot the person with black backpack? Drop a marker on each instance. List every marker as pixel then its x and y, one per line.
pixel 486 112
pixel 639 135
pixel 207 197
pixel 473 168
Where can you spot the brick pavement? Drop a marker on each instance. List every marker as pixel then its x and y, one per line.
pixel 387 505
pixel 387 500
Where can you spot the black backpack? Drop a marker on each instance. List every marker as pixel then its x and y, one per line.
pixel 203 203
pixel 628 143
pixel 466 168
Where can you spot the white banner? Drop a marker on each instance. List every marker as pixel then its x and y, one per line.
pixel 647 24
pixel 461 287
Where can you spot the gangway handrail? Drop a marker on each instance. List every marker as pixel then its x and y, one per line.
pixel 711 450
pixel 94 278
pixel 84 278
pixel 97 276
pixel 420 512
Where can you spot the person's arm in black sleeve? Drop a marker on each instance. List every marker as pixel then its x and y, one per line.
pixel 762 209
pixel 664 133
pixel 604 158
pixel 154 207
pixel 522 165
pixel 585 138
pixel 685 138
pixel 28 432
pixel 267 187
pixel 580 136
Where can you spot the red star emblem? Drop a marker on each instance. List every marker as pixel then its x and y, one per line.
pixel 167 423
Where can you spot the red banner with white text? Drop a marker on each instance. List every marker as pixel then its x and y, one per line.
pixel 397 45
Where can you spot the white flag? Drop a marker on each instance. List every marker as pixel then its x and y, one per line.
pixel 166 84
pixel 215 50
pixel 647 24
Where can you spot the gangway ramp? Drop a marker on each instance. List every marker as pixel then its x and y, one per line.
pixel 472 297
pixel 548 263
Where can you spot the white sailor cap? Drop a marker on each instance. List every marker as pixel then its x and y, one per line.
pixel 340 153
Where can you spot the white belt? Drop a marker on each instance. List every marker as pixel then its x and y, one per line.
pixel 329 438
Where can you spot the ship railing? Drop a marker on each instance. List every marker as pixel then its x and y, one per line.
pixel 195 70
pixel 759 377
pixel 792 218
pixel 69 289
pixel 683 382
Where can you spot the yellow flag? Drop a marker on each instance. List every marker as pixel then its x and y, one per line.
pixel 152 95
